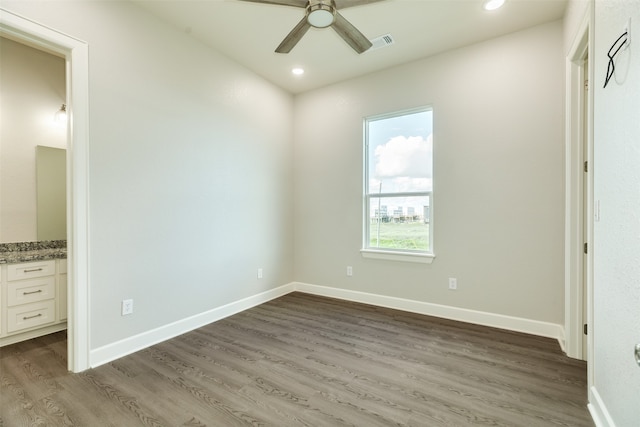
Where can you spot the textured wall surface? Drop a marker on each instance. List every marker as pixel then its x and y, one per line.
pixel 617 234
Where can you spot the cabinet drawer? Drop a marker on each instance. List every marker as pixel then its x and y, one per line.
pixel 31 270
pixel 28 291
pixel 30 315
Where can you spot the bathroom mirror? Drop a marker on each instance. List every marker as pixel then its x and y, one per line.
pixel 51 193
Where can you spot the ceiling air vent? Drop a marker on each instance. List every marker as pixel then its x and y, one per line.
pixel 382 41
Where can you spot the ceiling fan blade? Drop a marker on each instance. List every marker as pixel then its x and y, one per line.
pixel 350 34
pixel 294 3
pixel 294 36
pixel 343 4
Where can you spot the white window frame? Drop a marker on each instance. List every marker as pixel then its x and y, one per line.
pixel 406 255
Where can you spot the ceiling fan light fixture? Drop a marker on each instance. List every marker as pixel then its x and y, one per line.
pixel 320 15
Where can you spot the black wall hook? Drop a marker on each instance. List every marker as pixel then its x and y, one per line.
pixel 611 68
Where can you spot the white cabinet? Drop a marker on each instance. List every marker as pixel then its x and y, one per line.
pixel 32 300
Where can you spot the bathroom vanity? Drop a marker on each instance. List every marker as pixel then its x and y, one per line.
pixel 33 291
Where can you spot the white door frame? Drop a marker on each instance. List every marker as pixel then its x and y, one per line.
pixel 77 99
pixel 578 267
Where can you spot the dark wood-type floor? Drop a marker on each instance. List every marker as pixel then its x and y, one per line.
pixel 310 361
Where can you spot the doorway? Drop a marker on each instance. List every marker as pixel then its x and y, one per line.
pixel 75 53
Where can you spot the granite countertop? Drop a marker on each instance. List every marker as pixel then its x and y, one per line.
pixel 12 253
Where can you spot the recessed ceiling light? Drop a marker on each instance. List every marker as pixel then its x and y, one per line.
pixel 493 4
pixel 297 71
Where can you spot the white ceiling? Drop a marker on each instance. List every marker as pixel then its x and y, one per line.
pixel 249 33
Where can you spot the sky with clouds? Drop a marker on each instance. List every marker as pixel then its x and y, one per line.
pixel 400 153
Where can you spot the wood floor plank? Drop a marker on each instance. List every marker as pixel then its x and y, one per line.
pixel 303 360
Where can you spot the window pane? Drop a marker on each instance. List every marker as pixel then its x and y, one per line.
pixel 401 223
pixel 400 153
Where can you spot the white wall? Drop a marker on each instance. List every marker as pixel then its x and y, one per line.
pixel 498 178
pixel 189 169
pixel 573 17
pixel 33 89
pixel 616 389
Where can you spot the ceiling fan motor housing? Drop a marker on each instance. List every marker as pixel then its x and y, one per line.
pixel 321 13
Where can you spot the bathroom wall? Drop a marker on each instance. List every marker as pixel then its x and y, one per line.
pixel 32 83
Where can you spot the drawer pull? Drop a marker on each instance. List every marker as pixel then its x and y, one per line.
pixel 32 270
pixel 32 317
pixel 32 292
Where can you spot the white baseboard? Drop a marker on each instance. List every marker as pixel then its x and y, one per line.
pixel 107 353
pixel 563 344
pixel 534 327
pixel 598 410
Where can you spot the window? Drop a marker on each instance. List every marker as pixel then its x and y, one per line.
pixel 398 185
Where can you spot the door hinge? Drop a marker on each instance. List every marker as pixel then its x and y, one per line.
pixel 586 85
pixel 584 328
pixel 586 248
pixel 586 166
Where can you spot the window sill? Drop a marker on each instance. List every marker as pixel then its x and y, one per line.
pixel 422 258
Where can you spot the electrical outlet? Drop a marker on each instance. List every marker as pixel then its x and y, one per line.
pixel 127 306
pixel 260 273
pixel 349 271
pixel 453 283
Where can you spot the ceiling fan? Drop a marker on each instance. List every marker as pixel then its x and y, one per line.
pixel 322 14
